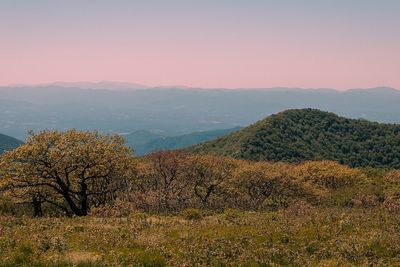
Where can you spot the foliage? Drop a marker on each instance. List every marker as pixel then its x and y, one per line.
pixel 171 181
pixel 392 183
pixel 71 170
pixel 308 134
pixel 171 208
pixel 210 178
pixel 7 206
pixel 161 184
pixel 328 174
pixel 269 185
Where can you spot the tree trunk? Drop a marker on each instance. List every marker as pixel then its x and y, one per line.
pixel 84 199
pixel 37 207
pixel 74 208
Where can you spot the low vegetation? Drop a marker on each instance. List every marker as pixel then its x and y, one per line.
pixel 82 199
pixel 297 236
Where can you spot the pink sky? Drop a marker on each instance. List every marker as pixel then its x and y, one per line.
pixel 232 46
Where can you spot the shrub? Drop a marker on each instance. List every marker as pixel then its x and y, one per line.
pixel 161 183
pixel 232 215
pixel 329 174
pixel 300 207
pixel 118 209
pixel 7 207
pixel 193 214
pixel 138 215
pixel 392 204
pixel 365 201
pixel 392 183
pixel 45 244
pixel 266 185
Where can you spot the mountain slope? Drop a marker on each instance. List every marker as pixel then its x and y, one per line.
pixel 309 134
pixel 181 141
pixel 8 143
pixel 140 137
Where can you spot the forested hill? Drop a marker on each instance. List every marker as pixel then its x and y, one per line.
pixel 8 143
pixel 310 134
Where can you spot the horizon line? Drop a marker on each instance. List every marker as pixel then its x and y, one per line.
pixel 125 85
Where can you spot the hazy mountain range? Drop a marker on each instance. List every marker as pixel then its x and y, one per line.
pixel 175 111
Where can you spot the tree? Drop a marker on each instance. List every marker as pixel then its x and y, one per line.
pixel 269 185
pixel 209 175
pixel 72 170
pixel 328 174
pixel 161 183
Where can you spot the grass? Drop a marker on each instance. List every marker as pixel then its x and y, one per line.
pixel 319 237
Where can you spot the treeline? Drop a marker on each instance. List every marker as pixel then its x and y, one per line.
pixel 171 181
pixel 81 173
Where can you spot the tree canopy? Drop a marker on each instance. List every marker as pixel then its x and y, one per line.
pixel 308 134
pixel 72 170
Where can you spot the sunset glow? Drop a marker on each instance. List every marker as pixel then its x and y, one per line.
pixel 312 44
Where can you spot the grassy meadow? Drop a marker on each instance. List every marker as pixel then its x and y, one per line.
pixel 83 199
pixel 297 236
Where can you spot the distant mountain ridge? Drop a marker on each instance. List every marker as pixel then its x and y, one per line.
pixel 102 85
pixel 105 85
pixel 177 111
pixel 309 134
pixel 8 143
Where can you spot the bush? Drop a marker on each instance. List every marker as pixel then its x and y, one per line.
pixel 392 183
pixel 269 186
pixel 300 207
pixel 232 215
pixel 329 174
pixel 138 215
pixel 7 207
pixel 193 214
pixel 366 201
pixel 392 204
pixel 118 209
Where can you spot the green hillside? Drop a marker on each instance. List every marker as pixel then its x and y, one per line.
pixel 176 142
pixel 140 137
pixel 8 143
pixel 309 134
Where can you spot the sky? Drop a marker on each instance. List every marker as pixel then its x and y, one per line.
pixel 202 43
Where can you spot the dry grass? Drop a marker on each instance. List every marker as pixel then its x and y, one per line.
pixel 319 237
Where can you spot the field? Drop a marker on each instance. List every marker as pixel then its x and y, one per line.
pixel 297 236
pixel 85 200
